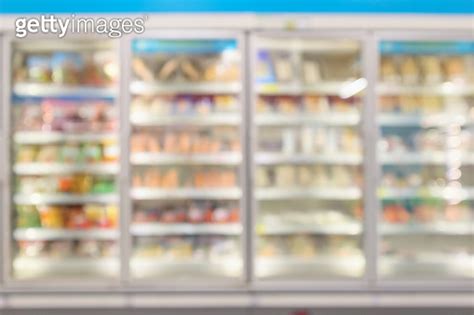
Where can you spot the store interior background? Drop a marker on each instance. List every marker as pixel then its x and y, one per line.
pixel 385 241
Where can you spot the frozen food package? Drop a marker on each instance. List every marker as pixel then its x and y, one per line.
pixel 311 71
pixel 431 104
pixel 191 69
pixel 289 141
pixel 265 70
pixel 305 176
pixel 285 176
pixel 389 71
pixel 67 68
pixel 262 178
pixel 39 68
pixel 141 70
pixel 432 69
pixel 455 69
pixel 410 104
pixel 409 70
pixel 286 105
pixel 316 104
pixel 283 68
pixel 307 140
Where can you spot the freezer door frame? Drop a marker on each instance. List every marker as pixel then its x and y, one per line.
pixel 3 165
pixel 65 284
pixel 154 284
pixel 367 280
pixel 445 285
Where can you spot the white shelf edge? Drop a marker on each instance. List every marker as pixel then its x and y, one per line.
pixel 185 193
pixel 352 193
pixel 67 199
pixel 348 228
pixel 315 158
pixel 447 228
pixel 62 168
pixel 434 89
pixel 220 158
pixel 41 137
pixel 158 229
pixel 58 90
pixel 213 119
pixel 147 88
pixel 42 234
pixel 327 119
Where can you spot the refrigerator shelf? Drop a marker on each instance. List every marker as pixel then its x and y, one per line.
pixel 444 266
pixel 346 228
pixel 153 88
pixel 345 266
pixel 159 229
pixel 422 120
pixel 56 90
pixel 61 168
pixel 447 228
pixel 433 158
pixel 214 119
pixel 427 192
pixel 323 87
pixel 221 158
pixel 42 234
pixel 352 193
pixel 442 89
pixel 186 193
pixel 316 158
pixel 328 47
pixel 48 45
pixel 41 137
pixel 326 119
pixel 64 199
pixel 75 267
pixel 143 267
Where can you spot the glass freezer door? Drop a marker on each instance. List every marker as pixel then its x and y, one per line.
pixel 308 158
pixel 186 157
pixel 64 155
pixel 426 156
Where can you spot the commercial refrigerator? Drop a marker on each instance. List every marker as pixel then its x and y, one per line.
pixel 61 151
pixel 425 118
pixel 308 181
pixel 187 170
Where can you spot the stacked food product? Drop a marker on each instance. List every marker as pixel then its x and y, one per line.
pixel 308 176
pixel 67 217
pixel 69 153
pixel 68 116
pixel 185 142
pixel 197 68
pixel 180 249
pixel 311 104
pixel 309 247
pixel 434 68
pixel 196 212
pixel 80 68
pixel 65 159
pixel 426 150
pixel 184 105
pixel 61 250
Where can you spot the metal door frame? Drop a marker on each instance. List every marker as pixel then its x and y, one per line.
pixel 34 285
pixel 154 284
pixel 342 285
pixel 448 285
